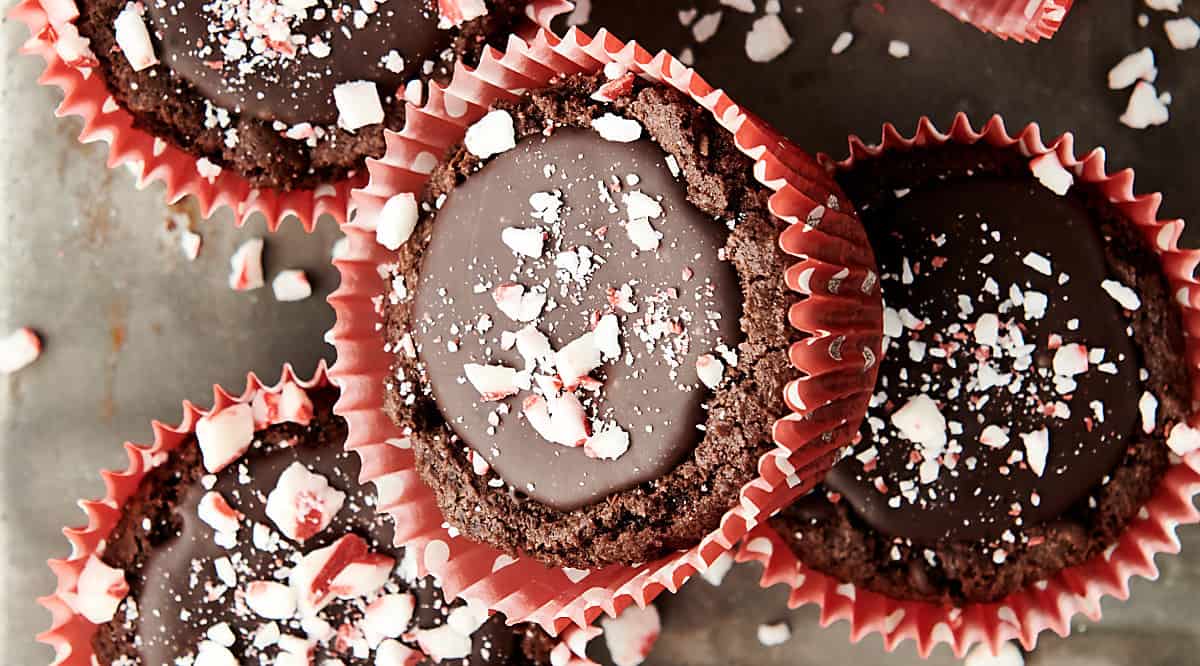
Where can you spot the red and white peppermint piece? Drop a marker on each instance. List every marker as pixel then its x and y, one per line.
pixel 18 349
pixel 613 90
pixel 643 235
pixel 518 304
pixel 491 135
pixel 208 169
pixel 1146 108
pixel 1051 173
pixel 217 514
pixel 568 420
pixel 608 337
pixel 99 592
pixel 1183 439
pixel 223 437
pixel 444 643
pixel 533 346
pixel 494 382
pixel 302 503
pixel 312 578
pixel 710 370
pixel 537 413
pixel 246 265
pixel 615 128
pixel 387 617
pixel 1037 447
pixel 453 13
pixel 641 205
pixel 920 421
pixel 1070 360
pixel 274 601
pixel 74 49
pixel 291 285
pixel 211 653
pixel 577 359
pixel 768 39
pixel 523 242
pixel 397 220
pixel 394 653
pixel 479 464
pixel 290 405
pixel 133 37
pixel 363 576
pixel 994 436
pixel 610 443
pixel 632 634
pixel 358 104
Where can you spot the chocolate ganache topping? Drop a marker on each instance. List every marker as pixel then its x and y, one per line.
pixel 1010 385
pixel 281 59
pixel 574 312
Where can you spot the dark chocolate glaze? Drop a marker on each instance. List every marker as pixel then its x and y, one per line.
pixel 978 503
pixel 466 251
pixel 297 89
pixel 171 577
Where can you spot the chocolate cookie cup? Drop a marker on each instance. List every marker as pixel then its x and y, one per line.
pixel 242 535
pixel 272 110
pixel 525 331
pixel 1030 445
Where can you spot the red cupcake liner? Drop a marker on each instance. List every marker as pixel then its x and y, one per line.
pixel 52 34
pixel 842 318
pixel 1018 20
pixel 1050 604
pixel 70 634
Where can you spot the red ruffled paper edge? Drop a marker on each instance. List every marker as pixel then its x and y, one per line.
pixel 842 315
pixel 1011 19
pixel 1047 605
pixel 70 634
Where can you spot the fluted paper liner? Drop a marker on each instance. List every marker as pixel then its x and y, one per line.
pixel 153 159
pixel 1047 605
pixel 1018 20
pixel 842 316
pixel 70 634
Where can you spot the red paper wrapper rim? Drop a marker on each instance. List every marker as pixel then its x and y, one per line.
pixel 1048 605
pixel 822 237
pixel 1011 19
pixel 70 634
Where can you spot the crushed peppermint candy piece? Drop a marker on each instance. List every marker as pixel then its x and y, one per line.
pixel 843 42
pixel 290 404
pixel 517 303
pixel 1124 296
pixel 211 653
pixel 704 28
pixel 453 13
pixel 710 370
pixel 632 634
pixel 494 382
pixel 133 37
pixel 217 514
pixel 1037 447
pixel 898 49
pixel 397 220
pixel 1137 66
pixel 302 504
pixel 388 616
pixel 1146 108
pixel 1148 408
pixel 246 266
pixel 1183 33
pixel 271 600
pixel 1164 5
pixel 1008 655
pixel 18 349
pixel 615 128
pixel 523 242
pixel 1183 439
pixel 491 135
pixel 1070 360
pixel 358 104
pixel 312 577
pixel 1050 172
pixel 920 421
pixel 609 443
pixel 99 592
pixel 291 285
pixel 775 633
pixel 643 234
pixel 224 436
pixel 768 39
pixel 994 436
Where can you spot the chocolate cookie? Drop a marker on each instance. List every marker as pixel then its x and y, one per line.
pixel 1030 381
pixel 289 94
pixel 589 324
pixel 279 557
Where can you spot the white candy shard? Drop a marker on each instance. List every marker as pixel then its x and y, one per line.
pixel 134 39
pixel 290 404
pixel 615 128
pixel 843 42
pixel 607 337
pixel 1137 66
pixel 1148 407
pixel 1184 33
pixel 1070 360
pixel 1164 5
pixel 1037 446
pixel 577 359
pixel 1183 439
pixel 443 643
pixel 768 39
pixel 776 633
pixel 987 329
pixel 397 220
pixel 994 436
pixel 640 205
pixel 312 577
pixel 491 135
pixel 453 13
pixel 394 653
pixel 271 600
pixel 1124 296
pixel 1050 172
pixel 710 370
pixel 643 234
pixel 246 265
pixel 1007 655
pixel 362 577
pixel 358 104
pixel 388 616
pixel 223 437
pixel 920 421
pixel 898 49
pixel 190 243
pixel 217 514
pixel 715 573
pixel 631 634
pixel 211 653
pixel 518 304
pixel 494 382
pixel 534 347
pixel 568 420
pixel 18 349
pixel 609 443
pixel 99 591
pixel 302 504
pixel 291 285
pixel 524 242
pixel 1145 108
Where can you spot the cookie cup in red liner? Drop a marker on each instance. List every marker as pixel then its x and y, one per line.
pixel 70 67
pixel 71 632
pixel 1049 604
pixel 838 308
pixel 1018 20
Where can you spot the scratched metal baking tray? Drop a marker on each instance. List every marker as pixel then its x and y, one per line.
pixel 131 327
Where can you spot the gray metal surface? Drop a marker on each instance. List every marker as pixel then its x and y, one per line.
pixel 131 328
